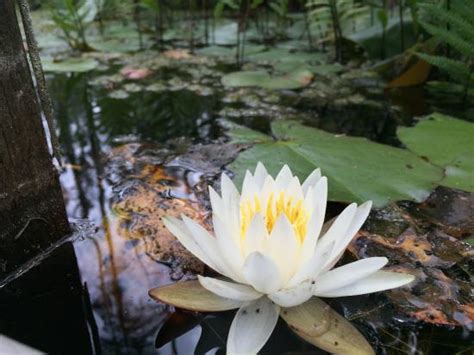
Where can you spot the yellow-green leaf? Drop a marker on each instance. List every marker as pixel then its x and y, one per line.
pixel 192 296
pixel 320 325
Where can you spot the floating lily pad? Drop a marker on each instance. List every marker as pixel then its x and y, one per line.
pixel 320 325
pixel 221 51
pixel 358 169
pixel 192 296
pixel 260 78
pixel 446 142
pixel 217 51
pixel 70 65
pixel 116 45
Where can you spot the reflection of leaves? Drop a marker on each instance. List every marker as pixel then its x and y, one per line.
pixel 157 116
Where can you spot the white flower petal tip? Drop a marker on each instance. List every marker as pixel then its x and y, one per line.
pixel 252 326
pixel 229 290
pixel 376 282
pixel 348 274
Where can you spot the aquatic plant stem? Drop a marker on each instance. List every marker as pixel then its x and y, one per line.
pixel 402 29
pixel 337 29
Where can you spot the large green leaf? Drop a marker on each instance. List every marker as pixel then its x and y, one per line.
pixel 358 169
pixel 447 142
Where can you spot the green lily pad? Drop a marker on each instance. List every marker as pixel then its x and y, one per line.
pixel 358 169
pixel 447 142
pixel 217 51
pixel 117 45
pixel 221 51
pixel 192 296
pixel 320 325
pixel 77 65
pixel 260 78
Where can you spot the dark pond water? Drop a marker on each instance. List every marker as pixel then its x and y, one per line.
pixel 129 159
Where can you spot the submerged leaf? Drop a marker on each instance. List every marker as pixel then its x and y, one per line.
pixel 192 296
pixel 320 325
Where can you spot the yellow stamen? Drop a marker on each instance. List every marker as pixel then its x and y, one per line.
pixel 295 211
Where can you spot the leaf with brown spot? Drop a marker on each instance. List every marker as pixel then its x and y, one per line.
pixel 320 325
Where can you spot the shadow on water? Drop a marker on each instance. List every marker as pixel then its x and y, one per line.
pixel 91 296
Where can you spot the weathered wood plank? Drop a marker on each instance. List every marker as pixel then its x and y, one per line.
pixel 32 213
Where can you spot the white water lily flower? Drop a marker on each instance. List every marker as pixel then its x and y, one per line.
pixel 269 244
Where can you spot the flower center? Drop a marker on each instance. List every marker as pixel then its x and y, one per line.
pixel 275 206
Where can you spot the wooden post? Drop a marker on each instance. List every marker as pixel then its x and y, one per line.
pixel 32 213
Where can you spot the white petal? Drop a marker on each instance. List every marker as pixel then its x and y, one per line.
pixel 348 274
pixel 294 190
pixel 379 281
pixel 268 188
pixel 311 180
pixel 312 268
pixel 262 273
pixel 231 207
pixel 181 232
pixel 358 220
pixel 216 201
pixel 282 246
pixel 316 221
pixel 230 290
pixel 339 227
pixel 309 199
pixel 228 188
pixel 320 192
pixel 249 188
pixel 295 296
pixel 256 236
pixel 283 178
pixel 252 326
pixel 209 245
pixel 260 175
pixel 228 248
